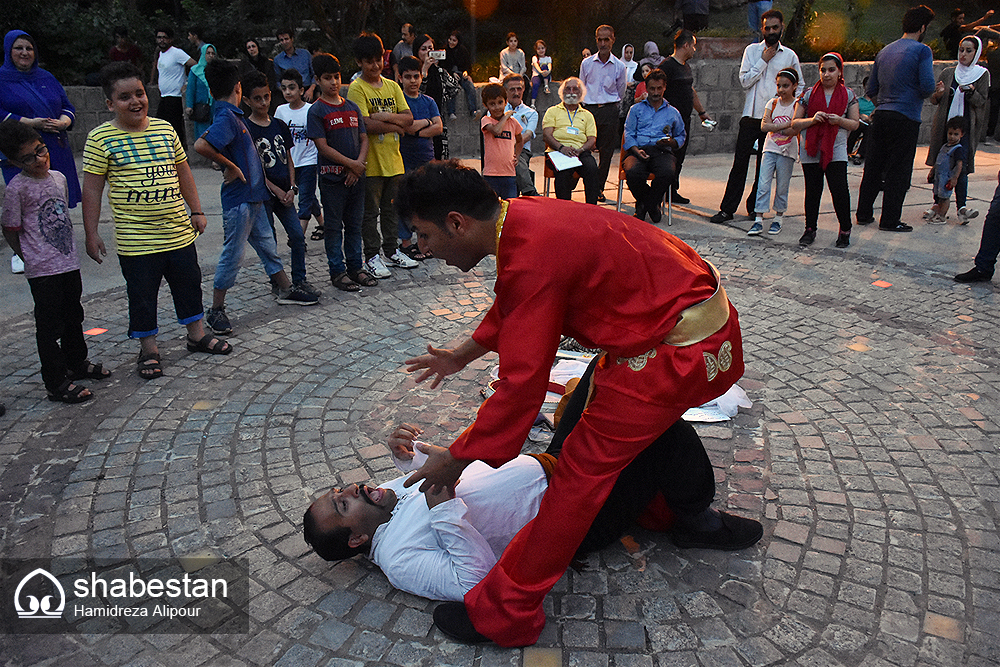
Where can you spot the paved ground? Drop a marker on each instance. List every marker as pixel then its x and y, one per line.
pixel 870 454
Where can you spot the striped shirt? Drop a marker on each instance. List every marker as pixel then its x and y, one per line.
pixel 145 194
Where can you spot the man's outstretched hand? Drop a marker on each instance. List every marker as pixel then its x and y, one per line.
pixel 438 362
pixel 440 471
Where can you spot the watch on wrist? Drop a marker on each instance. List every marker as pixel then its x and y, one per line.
pixel 295 189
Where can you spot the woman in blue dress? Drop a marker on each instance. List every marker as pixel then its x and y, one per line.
pixel 32 96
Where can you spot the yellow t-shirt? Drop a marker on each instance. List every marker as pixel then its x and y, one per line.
pixel 384 158
pixel 145 194
pixel 561 120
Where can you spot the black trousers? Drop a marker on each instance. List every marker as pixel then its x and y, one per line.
pixel 608 138
pixel 675 464
pixel 58 325
pixel 749 132
pixel 893 139
pixel 663 166
pixel 681 152
pixel 566 179
pixel 836 180
pixel 171 109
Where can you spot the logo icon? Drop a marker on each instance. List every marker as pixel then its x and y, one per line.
pixel 39 608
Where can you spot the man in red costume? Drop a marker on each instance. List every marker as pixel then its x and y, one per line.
pixel 671 341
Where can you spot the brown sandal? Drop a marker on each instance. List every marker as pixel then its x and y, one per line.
pixel 342 281
pixel 363 278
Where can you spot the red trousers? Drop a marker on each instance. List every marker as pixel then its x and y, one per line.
pixel 633 402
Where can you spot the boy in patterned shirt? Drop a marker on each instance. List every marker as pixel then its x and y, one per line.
pixel 150 181
pixel 36 224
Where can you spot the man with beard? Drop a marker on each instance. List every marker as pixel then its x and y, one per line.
pixel 902 77
pixel 761 63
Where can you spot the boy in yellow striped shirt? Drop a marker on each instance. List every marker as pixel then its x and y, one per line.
pixel 150 182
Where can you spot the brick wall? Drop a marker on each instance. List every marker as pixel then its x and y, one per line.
pixel 717 82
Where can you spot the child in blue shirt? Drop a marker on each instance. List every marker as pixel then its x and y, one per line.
pixel 947 169
pixel 244 191
pixel 417 145
pixel 274 140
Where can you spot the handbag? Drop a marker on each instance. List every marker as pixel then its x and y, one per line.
pixel 201 112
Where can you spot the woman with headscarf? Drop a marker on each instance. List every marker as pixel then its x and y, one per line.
pixel 32 96
pixel 963 91
pixel 651 54
pixel 199 98
pixel 827 113
pixel 631 65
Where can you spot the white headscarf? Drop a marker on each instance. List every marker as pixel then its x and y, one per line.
pixel 965 76
pixel 630 65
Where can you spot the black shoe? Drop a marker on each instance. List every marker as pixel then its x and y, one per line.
pixel 640 210
pixel 654 214
pixel 898 227
pixel 678 198
pixel 601 198
pixel 452 619
pixel 734 534
pixel 808 237
pixel 865 222
pixel 843 239
pixel 973 276
pixel 721 217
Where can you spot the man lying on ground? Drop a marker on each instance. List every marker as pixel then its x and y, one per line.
pixel 440 545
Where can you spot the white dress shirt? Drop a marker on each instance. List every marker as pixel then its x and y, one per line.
pixel 758 77
pixel 441 553
pixel 605 81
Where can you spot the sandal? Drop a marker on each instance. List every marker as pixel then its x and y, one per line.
pixel 68 392
pixel 363 278
pixel 148 366
pixel 413 252
pixel 88 370
pixel 343 282
pixel 204 345
pixel 318 234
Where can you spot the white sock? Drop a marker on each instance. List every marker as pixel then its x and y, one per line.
pixel 759 220
pixel 777 217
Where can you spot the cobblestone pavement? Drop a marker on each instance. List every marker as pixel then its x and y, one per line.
pixel 870 455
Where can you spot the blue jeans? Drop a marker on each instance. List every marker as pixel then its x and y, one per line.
pixel 779 167
pixel 305 178
pixel 470 96
pixel 504 186
pixel 754 9
pixel 296 238
pixel 242 223
pixel 343 208
pixel 989 247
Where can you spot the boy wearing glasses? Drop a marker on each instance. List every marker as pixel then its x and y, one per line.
pixel 36 224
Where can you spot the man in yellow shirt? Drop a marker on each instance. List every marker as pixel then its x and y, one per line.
pixel 387 116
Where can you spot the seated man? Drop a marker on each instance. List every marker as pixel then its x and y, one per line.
pixel 441 548
pixel 653 131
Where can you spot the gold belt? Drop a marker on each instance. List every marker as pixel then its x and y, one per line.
pixel 701 320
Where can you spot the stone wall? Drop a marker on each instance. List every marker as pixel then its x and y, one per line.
pixel 717 82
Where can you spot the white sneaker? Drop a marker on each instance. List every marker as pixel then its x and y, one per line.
pixel 965 214
pixel 378 268
pixel 936 220
pixel 16 265
pixel 929 213
pixel 402 261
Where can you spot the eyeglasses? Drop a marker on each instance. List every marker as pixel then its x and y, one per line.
pixel 30 158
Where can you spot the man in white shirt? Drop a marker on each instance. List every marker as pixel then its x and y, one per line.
pixel 528 119
pixel 761 63
pixel 170 66
pixel 604 77
pixel 440 545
